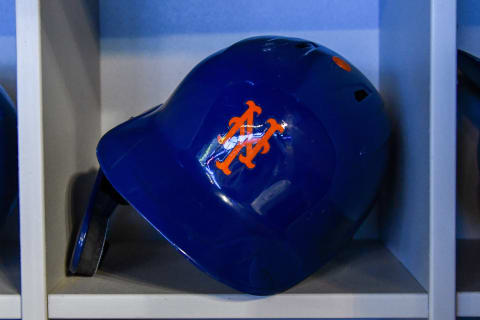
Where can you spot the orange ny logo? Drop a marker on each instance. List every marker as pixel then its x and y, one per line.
pixel 246 139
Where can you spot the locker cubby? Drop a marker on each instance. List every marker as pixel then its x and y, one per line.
pixel 90 65
pixel 468 209
pixel 9 229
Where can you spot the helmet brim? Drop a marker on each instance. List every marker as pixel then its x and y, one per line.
pixel 150 174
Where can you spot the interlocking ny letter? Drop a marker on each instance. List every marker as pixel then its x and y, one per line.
pixel 244 126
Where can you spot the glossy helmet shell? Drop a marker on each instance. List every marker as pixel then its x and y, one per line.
pixel 8 156
pixel 295 188
pixel 468 90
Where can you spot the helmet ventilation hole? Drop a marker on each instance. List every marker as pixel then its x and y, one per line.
pixel 360 95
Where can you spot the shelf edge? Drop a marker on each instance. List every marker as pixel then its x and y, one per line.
pixel 10 306
pixel 468 304
pixel 408 305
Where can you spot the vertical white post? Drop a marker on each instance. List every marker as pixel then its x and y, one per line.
pixel 442 159
pixel 30 140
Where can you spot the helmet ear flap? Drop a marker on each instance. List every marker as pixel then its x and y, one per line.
pixel 90 242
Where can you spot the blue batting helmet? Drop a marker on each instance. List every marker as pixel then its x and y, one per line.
pixel 8 156
pixel 469 90
pixel 259 167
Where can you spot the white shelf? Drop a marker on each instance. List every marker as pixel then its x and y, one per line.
pixel 9 280
pixel 86 66
pixel 152 280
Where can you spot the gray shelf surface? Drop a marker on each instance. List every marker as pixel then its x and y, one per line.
pixel 9 279
pixel 152 280
pixel 468 265
pixel 468 278
pixel 9 268
pixel 157 268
